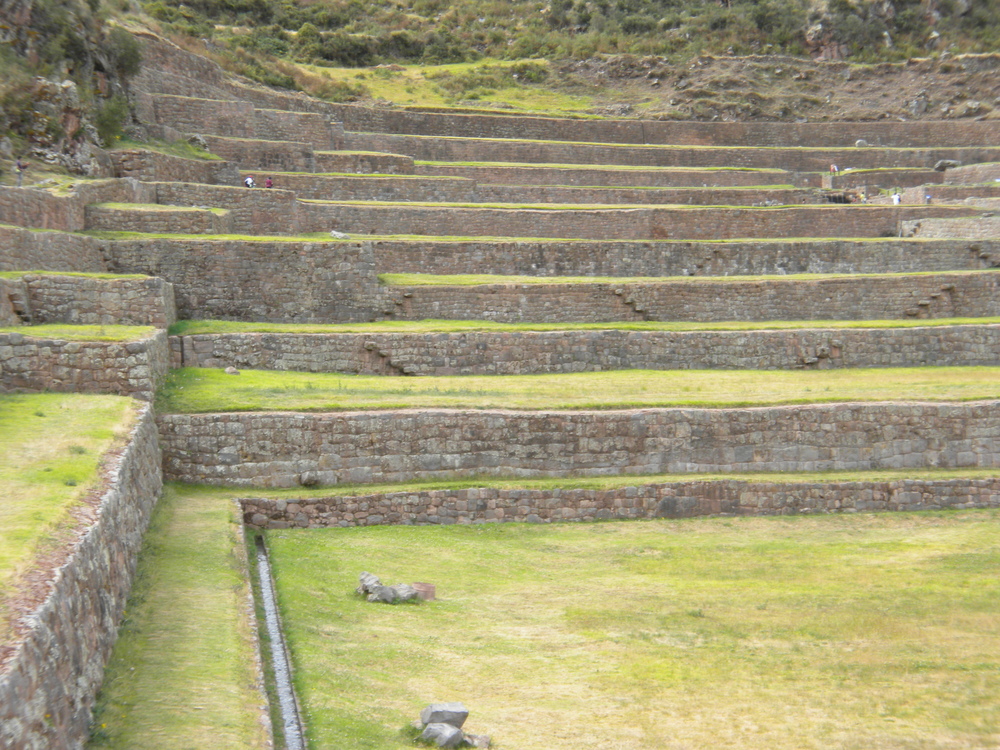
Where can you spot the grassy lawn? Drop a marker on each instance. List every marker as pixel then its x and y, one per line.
pixel 51 447
pixel 182 674
pixel 197 327
pixel 868 631
pixel 477 279
pixel 67 332
pixel 611 482
pixel 211 390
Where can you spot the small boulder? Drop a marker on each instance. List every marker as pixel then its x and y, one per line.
pixel 405 592
pixel 452 713
pixel 232 371
pixel 339 235
pixel 477 740
pixel 944 164
pixel 383 594
pixel 367 583
pixel 861 143
pixel 443 735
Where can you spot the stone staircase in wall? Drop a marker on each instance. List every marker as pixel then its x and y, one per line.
pixel 692 222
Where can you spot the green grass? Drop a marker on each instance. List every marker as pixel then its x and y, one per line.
pixel 606 206
pixel 158 208
pixel 51 447
pixel 192 390
pixel 594 167
pixel 108 276
pixel 416 85
pixel 180 148
pixel 181 675
pixel 612 482
pixel 428 279
pixel 83 332
pixel 865 631
pixel 202 327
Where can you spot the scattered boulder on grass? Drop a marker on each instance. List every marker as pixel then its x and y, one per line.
pixel 371 586
pixel 944 164
pixel 443 735
pixel 442 725
pixel 445 713
pixel 232 371
pixel 339 235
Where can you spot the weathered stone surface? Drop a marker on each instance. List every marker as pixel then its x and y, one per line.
pixel 47 687
pixel 442 735
pixel 453 713
pixel 405 592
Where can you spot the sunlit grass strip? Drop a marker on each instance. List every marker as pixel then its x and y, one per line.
pixel 51 447
pixel 615 482
pixel 201 327
pixel 79 274
pixel 477 279
pixel 962 211
pixel 193 390
pixel 594 167
pixel 159 208
pixel 856 631
pixel 66 332
pixel 182 674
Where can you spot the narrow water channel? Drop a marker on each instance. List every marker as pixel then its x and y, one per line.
pixel 294 736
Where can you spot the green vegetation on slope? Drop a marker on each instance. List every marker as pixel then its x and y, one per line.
pixel 760 633
pixel 182 673
pixel 193 390
pixel 51 448
pixel 202 327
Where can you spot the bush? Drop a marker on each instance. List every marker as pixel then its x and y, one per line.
pixel 111 119
pixel 126 51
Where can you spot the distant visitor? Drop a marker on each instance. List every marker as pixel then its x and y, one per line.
pixel 268 183
pixel 248 181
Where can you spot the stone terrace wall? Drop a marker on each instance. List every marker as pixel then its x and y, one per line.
pixel 661 500
pixel 974 294
pixel 151 166
pixel 301 282
pixel 40 209
pixel 205 116
pixel 127 368
pixel 252 211
pixel 319 131
pixel 283 449
pixel 24 250
pixel 665 258
pixel 974 227
pixel 277 156
pixel 431 148
pixel 52 298
pixel 363 162
pixel 13 301
pixel 518 353
pixel 757 134
pixel 498 174
pixel 973 173
pixel 158 219
pixel 376 187
pixel 49 680
pixel 612 195
pixel 617 223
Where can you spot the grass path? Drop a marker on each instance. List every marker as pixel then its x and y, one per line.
pixel 66 332
pixel 194 390
pixel 51 446
pixel 197 327
pixel 182 675
pixel 868 631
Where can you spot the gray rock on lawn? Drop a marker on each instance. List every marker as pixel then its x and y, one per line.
pixel 339 235
pixel 443 735
pixel 452 713
pixel 367 583
pixel 477 740
pixel 405 592
pixel 383 594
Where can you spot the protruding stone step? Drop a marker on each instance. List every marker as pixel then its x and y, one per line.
pixel 363 162
pixel 876 297
pixel 490 352
pixel 614 223
pixel 157 219
pixel 447 148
